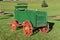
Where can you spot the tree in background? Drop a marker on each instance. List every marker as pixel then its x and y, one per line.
pixel 44 4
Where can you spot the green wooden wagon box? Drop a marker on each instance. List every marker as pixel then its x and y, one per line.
pixel 29 19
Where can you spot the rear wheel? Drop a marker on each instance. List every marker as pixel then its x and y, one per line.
pixel 14 25
pixel 27 28
pixel 44 29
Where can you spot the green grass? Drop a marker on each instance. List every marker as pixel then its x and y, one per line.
pixel 6 32
pixel 6 6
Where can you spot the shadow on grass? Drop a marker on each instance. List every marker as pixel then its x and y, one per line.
pixel 51 24
pixel 35 31
pixel 18 28
pixel 57 19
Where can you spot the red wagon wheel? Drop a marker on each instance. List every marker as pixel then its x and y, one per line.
pixel 44 29
pixel 27 28
pixel 14 24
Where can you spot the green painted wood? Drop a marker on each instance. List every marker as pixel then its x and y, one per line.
pixel 21 6
pixel 36 18
pixel 21 16
pixel 41 19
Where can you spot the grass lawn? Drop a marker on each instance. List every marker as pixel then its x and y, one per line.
pixel 6 33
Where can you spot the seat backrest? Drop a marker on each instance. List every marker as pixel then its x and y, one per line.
pixel 21 6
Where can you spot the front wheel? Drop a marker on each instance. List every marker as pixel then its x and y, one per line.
pixel 27 28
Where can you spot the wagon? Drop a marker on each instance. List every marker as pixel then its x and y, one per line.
pixel 29 19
